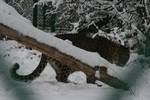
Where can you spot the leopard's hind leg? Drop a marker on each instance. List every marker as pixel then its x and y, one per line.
pixel 62 71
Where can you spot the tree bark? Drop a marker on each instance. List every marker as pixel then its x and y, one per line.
pixel 62 57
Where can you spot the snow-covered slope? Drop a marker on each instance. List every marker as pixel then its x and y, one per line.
pixel 47 88
pixel 136 72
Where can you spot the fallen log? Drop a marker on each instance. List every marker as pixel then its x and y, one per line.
pixel 61 57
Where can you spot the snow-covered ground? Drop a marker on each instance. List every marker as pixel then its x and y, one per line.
pixel 46 87
pixel 135 73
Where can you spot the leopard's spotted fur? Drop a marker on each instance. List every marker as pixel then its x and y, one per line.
pixel 36 73
pixel 111 51
pixel 62 71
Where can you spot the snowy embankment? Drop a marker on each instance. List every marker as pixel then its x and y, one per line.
pixel 9 17
pixel 46 87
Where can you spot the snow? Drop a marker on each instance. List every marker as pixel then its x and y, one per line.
pixel 45 87
pixel 22 25
pixel 54 2
pixel 97 74
pixel 77 77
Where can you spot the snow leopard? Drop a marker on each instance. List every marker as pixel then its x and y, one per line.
pixel 62 71
pixel 113 52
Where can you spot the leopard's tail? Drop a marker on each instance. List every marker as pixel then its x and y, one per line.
pixel 31 76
